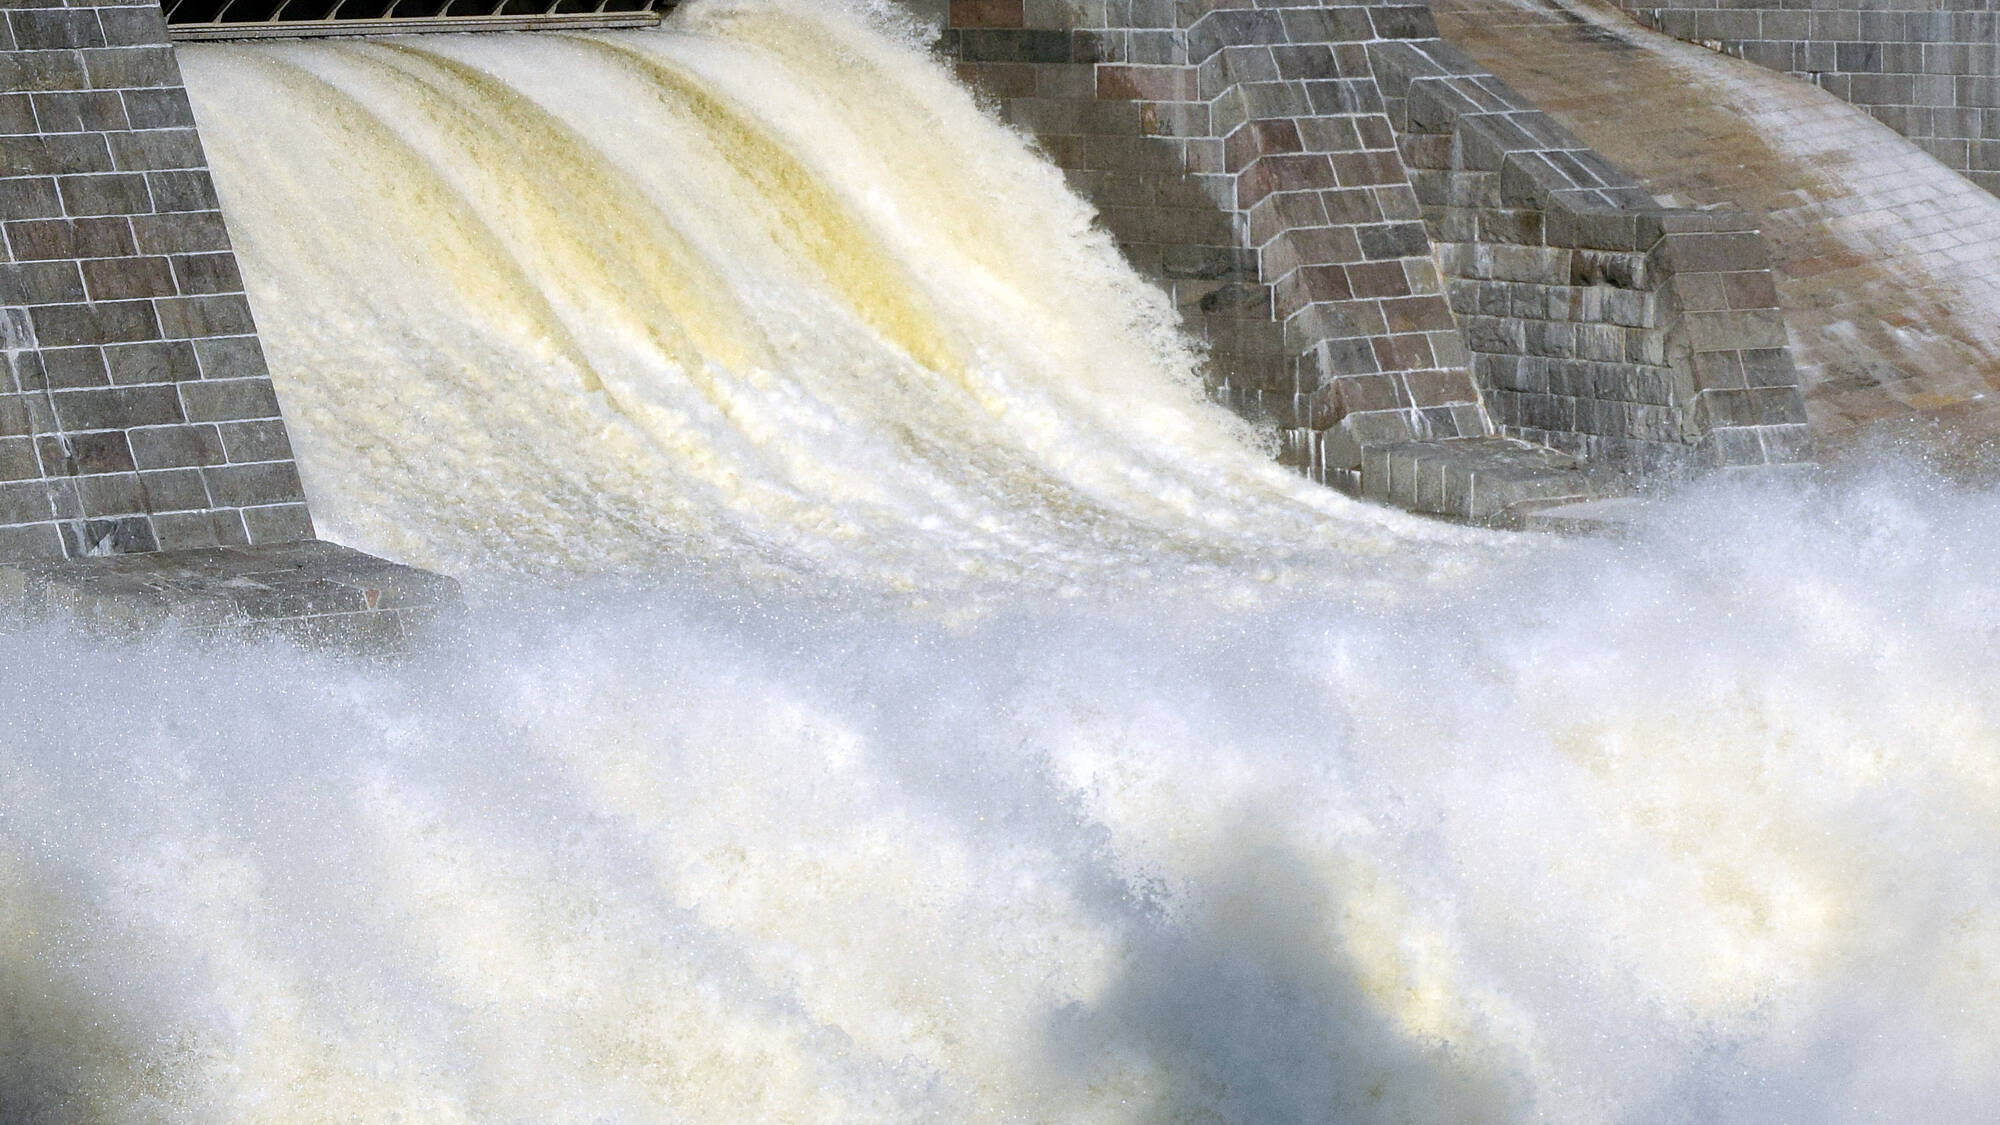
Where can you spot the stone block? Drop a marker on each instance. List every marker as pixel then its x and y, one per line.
pixel 173 490
pixel 182 190
pixel 118 408
pixel 256 441
pixel 163 361
pixel 100 323
pixel 118 279
pixel 176 446
pixel 155 149
pixel 106 451
pixel 1734 330
pixel 1761 406
pixel 278 523
pixel 165 108
pixel 107 193
pixel 229 400
pixel 244 486
pixel 38 281
pixel 204 316
pixel 987 14
pixel 71 111
pixel 29 198
pixel 185 233
pixel 48 239
pixel 1018 46
pixel 132 25
pixel 19 460
pixel 231 357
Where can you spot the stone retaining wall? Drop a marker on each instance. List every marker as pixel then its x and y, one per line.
pixel 1929 69
pixel 135 410
pixel 1244 154
pixel 1240 153
pixel 1601 323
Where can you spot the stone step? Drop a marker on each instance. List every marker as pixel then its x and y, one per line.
pixel 1613 516
pixel 1495 481
pixel 312 591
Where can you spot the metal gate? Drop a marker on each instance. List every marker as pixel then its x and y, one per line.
pixel 266 19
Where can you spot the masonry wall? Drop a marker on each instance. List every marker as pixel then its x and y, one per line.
pixel 1930 69
pixel 1431 278
pixel 135 410
pixel 1240 154
pixel 1601 323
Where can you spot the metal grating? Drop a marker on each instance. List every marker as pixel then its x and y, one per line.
pixel 269 19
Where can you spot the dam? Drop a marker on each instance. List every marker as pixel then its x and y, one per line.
pixel 985 571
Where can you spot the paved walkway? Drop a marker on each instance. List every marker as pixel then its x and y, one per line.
pixel 1889 263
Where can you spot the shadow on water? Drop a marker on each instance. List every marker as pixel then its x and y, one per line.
pixel 1254 1009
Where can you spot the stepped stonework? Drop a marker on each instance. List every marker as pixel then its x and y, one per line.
pixel 1389 249
pixel 1886 261
pixel 1929 69
pixel 136 414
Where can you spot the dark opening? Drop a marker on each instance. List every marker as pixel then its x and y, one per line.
pixel 224 19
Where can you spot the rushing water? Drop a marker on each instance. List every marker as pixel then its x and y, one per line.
pixel 891 694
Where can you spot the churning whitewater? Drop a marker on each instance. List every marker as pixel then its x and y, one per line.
pixel 892 693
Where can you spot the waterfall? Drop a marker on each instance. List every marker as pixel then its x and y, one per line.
pixel 765 289
pixel 893 692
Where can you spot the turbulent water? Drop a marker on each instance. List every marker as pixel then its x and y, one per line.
pixel 891 693
pixel 765 289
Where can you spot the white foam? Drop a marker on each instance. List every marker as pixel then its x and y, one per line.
pixel 1694 825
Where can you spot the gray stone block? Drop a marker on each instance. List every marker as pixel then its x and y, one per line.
pixel 175 446
pixel 278 523
pixel 117 408
pixel 313 592
pixel 249 485
pixel 120 279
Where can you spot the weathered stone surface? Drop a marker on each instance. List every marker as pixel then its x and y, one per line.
pixel 1601 323
pixel 1240 154
pixel 1929 69
pixel 1885 263
pixel 311 591
pixel 1494 480
pixel 1343 154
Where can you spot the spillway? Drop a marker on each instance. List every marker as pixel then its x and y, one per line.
pixel 766 289
pixel 892 692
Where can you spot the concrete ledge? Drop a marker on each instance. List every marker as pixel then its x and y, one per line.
pixel 311 591
pixel 1495 481
pixel 1588 517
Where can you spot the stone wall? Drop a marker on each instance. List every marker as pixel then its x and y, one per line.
pixel 135 410
pixel 1930 69
pixel 1240 153
pixel 1245 154
pixel 1602 324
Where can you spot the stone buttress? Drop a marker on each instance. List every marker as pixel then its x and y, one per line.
pixel 1438 296
pixel 145 469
